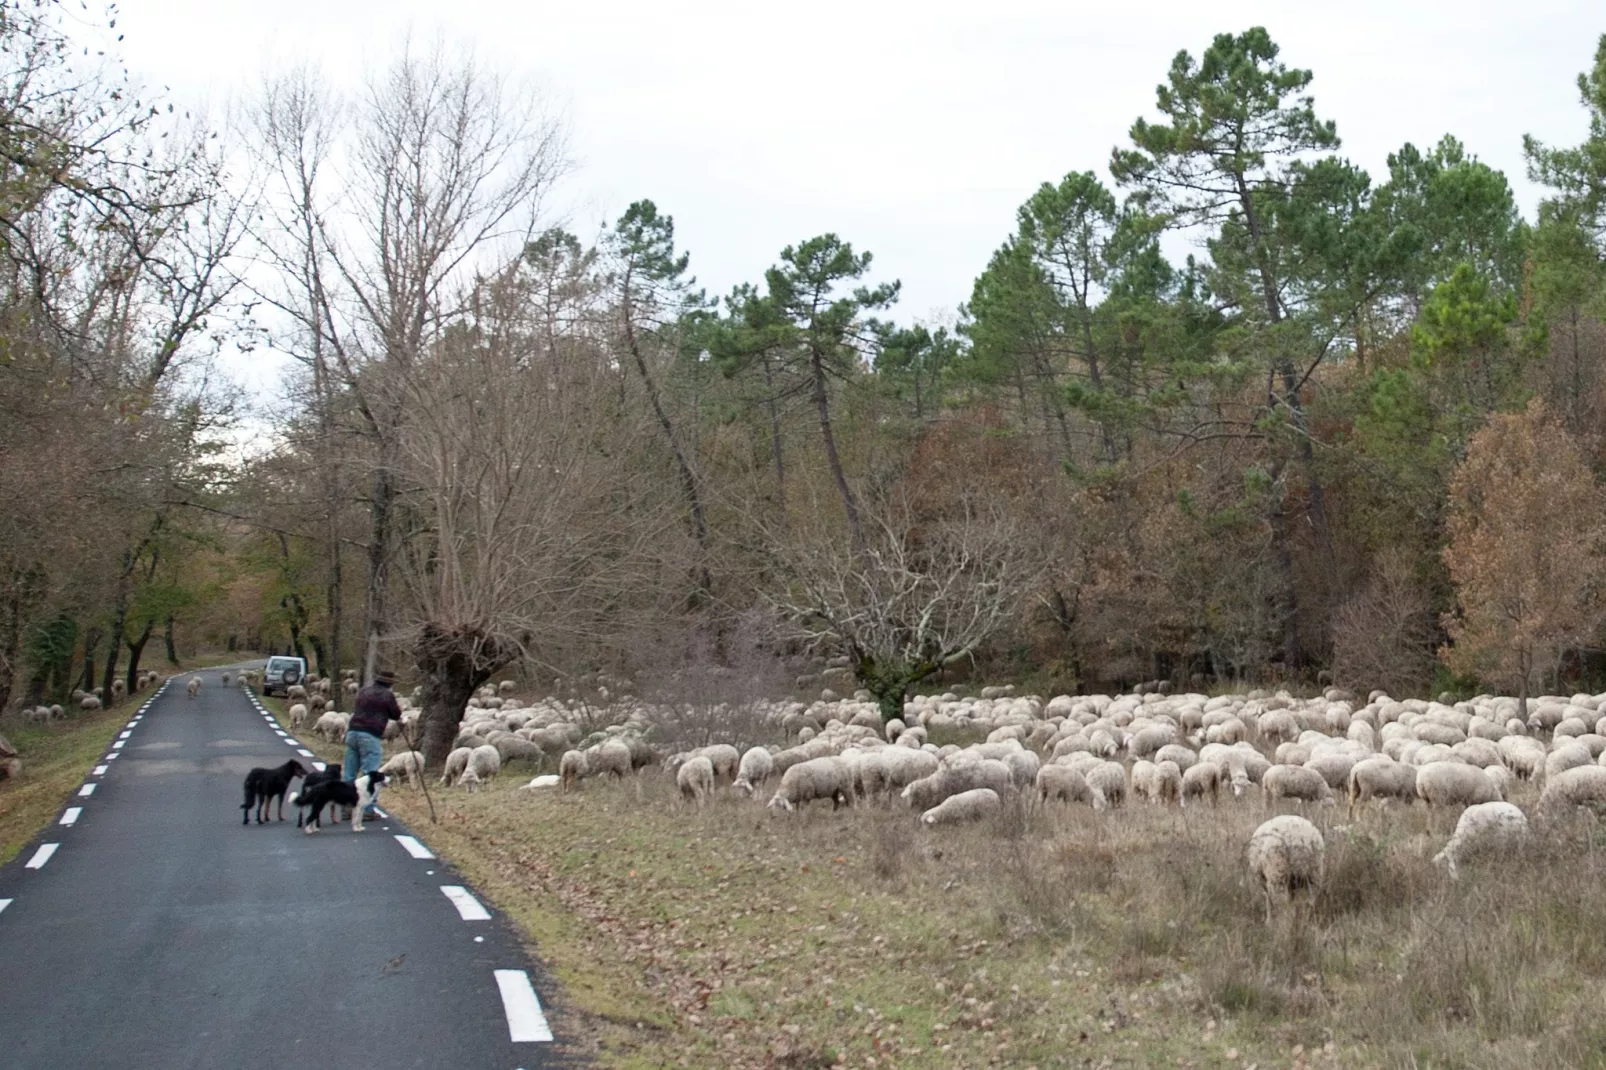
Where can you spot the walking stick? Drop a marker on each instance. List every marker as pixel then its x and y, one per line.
pixel 423 781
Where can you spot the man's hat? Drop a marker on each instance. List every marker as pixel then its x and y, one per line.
pixel 385 676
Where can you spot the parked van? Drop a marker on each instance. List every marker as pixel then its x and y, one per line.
pixel 281 673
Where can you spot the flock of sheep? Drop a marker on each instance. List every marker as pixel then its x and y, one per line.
pixel 1099 751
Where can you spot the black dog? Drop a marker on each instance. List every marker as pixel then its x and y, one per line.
pixel 356 794
pixel 263 786
pixel 329 774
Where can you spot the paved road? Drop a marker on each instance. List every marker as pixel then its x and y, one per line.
pixel 160 933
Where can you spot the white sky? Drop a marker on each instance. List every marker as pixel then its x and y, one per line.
pixel 913 129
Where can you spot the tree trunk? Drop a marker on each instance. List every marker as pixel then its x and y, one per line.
pixel 136 647
pixel 822 405
pixel 167 640
pixel 1288 609
pixel 384 502
pixel 92 638
pixel 10 648
pixel 320 658
pixel 775 439
pixel 453 663
pixel 114 645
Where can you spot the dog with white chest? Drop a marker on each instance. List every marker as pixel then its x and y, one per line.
pixel 356 794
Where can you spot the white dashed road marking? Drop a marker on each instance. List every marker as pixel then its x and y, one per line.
pixel 414 848
pixel 3 904
pixel 117 746
pixel 100 770
pixel 41 856
pixel 304 752
pixel 467 906
pixel 71 814
pixel 87 789
pixel 125 735
pixel 525 1022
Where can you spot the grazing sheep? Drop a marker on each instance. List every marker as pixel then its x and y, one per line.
pixel 1107 782
pixel 1333 766
pixel 331 726
pixel 295 693
pixel 951 779
pixel 612 757
pixel 1202 780
pixel 226 679
pixel 1167 786
pixel 1455 784
pixel 1285 855
pixel 456 762
pixel 514 749
pixel 1381 778
pixel 318 703
pixel 483 764
pixel 408 764
pixel 506 688
pixel 695 778
pixel 756 767
pixel 972 805
pixel 120 689
pixel 1062 783
pixel 1565 757
pixel 298 715
pixel 1584 786
pixel 1484 829
pixel 572 768
pixel 1295 782
pixel 90 703
pixel 818 778
pixel 194 686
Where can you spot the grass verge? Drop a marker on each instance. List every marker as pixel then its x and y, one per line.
pixel 55 760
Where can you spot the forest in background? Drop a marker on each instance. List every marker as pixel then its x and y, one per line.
pixel 1357 434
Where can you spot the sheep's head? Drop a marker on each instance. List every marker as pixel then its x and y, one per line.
pixel 780 804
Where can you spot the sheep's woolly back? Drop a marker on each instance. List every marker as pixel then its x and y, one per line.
pixel 1483 829
pixel 1285 854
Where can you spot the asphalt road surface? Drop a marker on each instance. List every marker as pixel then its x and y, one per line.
pixel 147 928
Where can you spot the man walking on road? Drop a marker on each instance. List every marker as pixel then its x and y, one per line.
pixel 376 707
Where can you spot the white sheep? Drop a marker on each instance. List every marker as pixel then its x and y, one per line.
pixel 545 780
pixel 226 679
pixel 1107 782
pixel 959 775
pixel 293 693
pixel 695 778
pixel 483 763
pixel 332 726
pixel 972 805
pixel 756 767
pixel 1167 786
pixel 1062 783
pixel 1455 784
pixel 818 778
pixel 1202 780
pixel 408 765
pixel 456 762
pixel 572 768
pixel 1565 757
pixel 1380 778
pixel 194 686
pixel 1285 855
pixel 1295 782
pixel 1584 786
pixel 298 715
pixel 612 756
pixel 1484 829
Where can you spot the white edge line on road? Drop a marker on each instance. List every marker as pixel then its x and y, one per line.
pixel 41 856
pixel 469 908
pixel 525 1022
pixel 414 848
pixel 3 904
pixel 383 816
pixel 304 752
pixel 118 745
pixel 319 766
pixel 87 789
pixel 71 814
pixel 99 770
pixel 125 735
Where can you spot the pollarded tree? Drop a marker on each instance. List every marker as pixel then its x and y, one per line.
pixel 1525 548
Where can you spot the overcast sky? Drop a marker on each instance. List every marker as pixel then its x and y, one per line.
pixel 913 129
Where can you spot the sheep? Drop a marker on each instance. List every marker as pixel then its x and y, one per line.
pixel 89 703
pixel 408 765
pixel 951 779
pixel 483 764
pixel 1200 780
pixel 818 778
pixel 1294 782
pixel 545 780
pixel 1380 778
pixel 756 767
pixel 1333 766
pixel 1455 784
pixel 331 726
pixel 298 715
pixel 226 679
pixel 1062 783
pixel 1483 829
pixel 1584 786
pixel 572 768
pixel 612 756
pixel 1565 757
pixel 120 689
pixel 970 805
pixel 1107 782
pixel 695 778
pixel 1167 786
pixel 295 693
pixel 513 748
pixel 456 762
pixel 1285 855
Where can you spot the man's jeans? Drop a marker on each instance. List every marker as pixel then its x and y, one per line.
pixel 363 755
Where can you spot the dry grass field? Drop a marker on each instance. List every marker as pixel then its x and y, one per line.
pixel 55 760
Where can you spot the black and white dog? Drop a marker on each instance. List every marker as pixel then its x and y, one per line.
pixel 263 786
pixel 356 794
pixel 328 774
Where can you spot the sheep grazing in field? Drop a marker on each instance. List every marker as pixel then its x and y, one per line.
pixel 572 768
pixel 891 769
pixel 408 765
pixel 1107 782
pixel 818 778
pixel 1166 787
pixel 1061 783
pixel 317 703
pixel 515 749
pixel 456 762
pixel 1202 780
pixel 1566 756
pixel 955 777
pixel 194 686
pixel 972 805
pixel 1484 829
pixel 90 703
pixel 1285 855
pixel 695 778
pixel 506 688
pixel 470 780
pixel 483 765
pixel 120 689
pixel 1381 778
pixel 331 726
pixel 756 767
pixel 1583 786
pixel 298 715
pixel 295 693
pixel 1295 782
pixel 612 757
pixel 1455 784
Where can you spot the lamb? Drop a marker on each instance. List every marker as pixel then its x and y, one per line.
pixel 483 763
pixel 695 778
pixel 818 778
pixel 1584 786
pixel 756 767
pixel 1295 782
pixel 298 715
pixel 1380 778
pixel 194 686
pixel 972 805
pixel 1455 784
pixel 1062 783
pixel 456 762
pixel 1484 829
pixel 1201 780
pixel 1285 855
pixel 408 764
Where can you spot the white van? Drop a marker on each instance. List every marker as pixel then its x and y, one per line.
pixel 281 673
